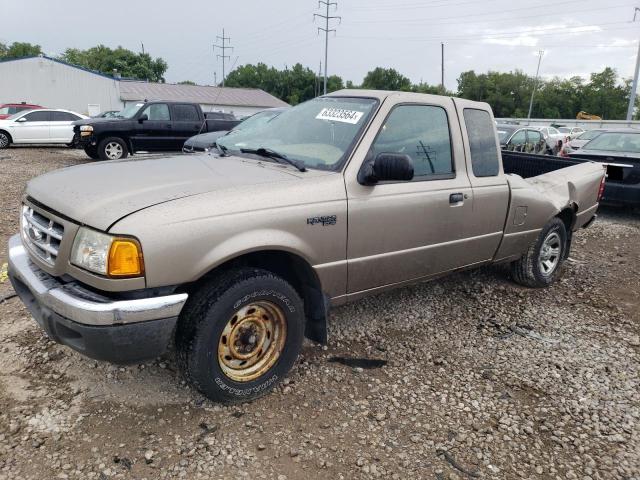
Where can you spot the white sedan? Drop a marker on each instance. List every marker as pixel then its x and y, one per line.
pixel 38 126
pixel 551 136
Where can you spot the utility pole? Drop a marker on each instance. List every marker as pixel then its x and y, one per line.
pixel 224 47
pixel 535 83
pixel 326 30
pixel 442 69
pixel 634 86
pixel 142 47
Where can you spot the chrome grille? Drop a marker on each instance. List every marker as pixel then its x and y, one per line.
pixel 41 234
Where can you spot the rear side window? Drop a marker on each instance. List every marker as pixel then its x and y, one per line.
pixel 186 113
pixel 422 132
pixel 63 117
pixel 482 143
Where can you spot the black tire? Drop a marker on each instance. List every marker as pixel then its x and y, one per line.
pixel 92 152
pixel 109 145
pixel 5 140
pixel 212 309
pixel 533 268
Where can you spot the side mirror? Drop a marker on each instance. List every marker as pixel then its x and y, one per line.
pixel 143 118
pixel 388 167
pixel 21 120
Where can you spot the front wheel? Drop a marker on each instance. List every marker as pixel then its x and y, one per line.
pixel 92 152
pixel 540 266
pixel 5 141
pixel 112 148
pixel 240 334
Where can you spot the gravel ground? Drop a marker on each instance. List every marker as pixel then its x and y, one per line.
pixel 477 378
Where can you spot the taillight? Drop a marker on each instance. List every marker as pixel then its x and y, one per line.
pixel 601 189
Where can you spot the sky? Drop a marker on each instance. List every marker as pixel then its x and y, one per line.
pixel 578 36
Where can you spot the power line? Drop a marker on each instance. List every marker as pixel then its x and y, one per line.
pixel 326 30
pixel 430 20
pixel 224 47
pixel 498 35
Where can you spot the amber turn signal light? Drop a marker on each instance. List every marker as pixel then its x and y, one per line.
pixel 125 258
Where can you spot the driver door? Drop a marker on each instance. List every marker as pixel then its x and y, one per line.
pixel 403 231
pixel 32 127
pixel 155 132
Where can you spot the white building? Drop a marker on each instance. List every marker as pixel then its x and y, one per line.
pixel 55 84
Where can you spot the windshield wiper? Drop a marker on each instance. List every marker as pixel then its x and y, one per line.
pixel 222 149
pixel 267 152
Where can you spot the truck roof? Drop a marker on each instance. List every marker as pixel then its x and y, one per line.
pixel 401 96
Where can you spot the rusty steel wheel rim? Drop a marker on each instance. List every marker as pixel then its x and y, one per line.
pixel 252 341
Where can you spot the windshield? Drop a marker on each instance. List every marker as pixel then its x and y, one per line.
pixel 6 110
pixel 129 111
pixel 564 130
pixel 615 142
pixel 588 135
pixel 319 133
pixel 504 133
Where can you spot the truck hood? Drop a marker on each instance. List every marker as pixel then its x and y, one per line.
pixel 93 121
pixel 99 194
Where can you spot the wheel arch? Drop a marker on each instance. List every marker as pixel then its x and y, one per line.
pixel 568 215
pixel 296 271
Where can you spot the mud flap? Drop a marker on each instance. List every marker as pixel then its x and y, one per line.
pixel 317 315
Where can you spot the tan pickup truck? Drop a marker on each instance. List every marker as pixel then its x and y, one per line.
pixel 236 255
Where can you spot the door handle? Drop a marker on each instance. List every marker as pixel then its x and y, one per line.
pixel 456 198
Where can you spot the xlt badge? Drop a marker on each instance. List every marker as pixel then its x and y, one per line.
pixel 326 220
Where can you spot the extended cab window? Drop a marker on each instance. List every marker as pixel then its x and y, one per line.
pixel 185 113
pixel 422 132
pixel 482 143
pixel 157 111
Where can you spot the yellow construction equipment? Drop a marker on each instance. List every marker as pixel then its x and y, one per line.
pixel 587 116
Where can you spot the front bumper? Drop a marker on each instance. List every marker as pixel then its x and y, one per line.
pixel 119 331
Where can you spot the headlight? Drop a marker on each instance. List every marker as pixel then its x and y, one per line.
pixel 86 130
pixel 106 254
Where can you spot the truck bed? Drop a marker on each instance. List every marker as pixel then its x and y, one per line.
pixel 529 165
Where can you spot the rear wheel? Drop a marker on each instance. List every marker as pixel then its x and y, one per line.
pixel 112 148
pixel 240 334
pixel 542 263
pixel 5 140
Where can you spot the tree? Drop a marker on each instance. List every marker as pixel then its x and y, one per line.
pixel 293 85
pixel 19 50
pixel 127 63
pixel 386 79
pixel 187 82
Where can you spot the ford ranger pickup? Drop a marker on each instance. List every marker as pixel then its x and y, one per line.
pixel 235 255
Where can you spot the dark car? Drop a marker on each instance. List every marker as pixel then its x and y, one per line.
pixel 145 126
pixel 622 149
pixel 516 138
pixel 206 141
